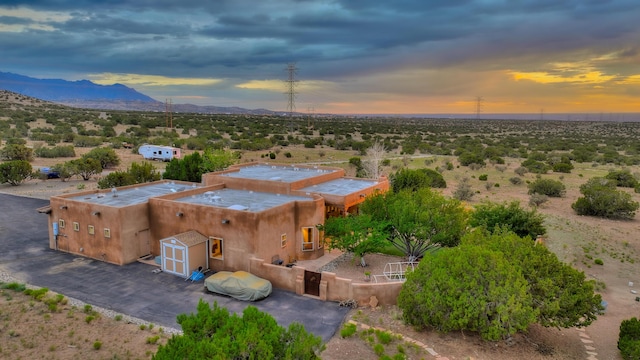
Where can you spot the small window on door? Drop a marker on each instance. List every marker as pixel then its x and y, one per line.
pixel 307 239
pixel 215 248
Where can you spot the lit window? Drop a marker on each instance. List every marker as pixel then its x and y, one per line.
pixel 216 248
pixel 307 239
pixel 283 240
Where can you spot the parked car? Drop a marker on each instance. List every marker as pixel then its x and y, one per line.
pixel 240 285
pixel 50 174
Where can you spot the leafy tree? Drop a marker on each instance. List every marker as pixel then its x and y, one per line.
pixel 357 234
pixel 419 221
pixel 601 198
pixel 144 172
pixel 189 168
pixel 107 157
pixel 416 179
pixel 217 334
pixel 16 152
pixel 629 339
pixel 468 288
pixel 549 187
pixel 15 172
pixel 561 294
pixel 65 170
pixel 467 158
pixel 510 216
pixel 86 167
pixel 218 159
pixel 116 179
pixel 623 178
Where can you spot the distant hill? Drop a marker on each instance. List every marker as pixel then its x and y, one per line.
pixel 88 95
pixel 58 90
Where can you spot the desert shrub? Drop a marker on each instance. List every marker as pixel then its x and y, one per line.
pixel 629 339
pixel 287 155
pixel 549 187
pixel 623 178
pixel 516 180
pixel 107 157
pixel 416 179
pixel 348 330
pixel 562 167
pixel 463 191
pixel 538 199
pixel 601 198
pixel 217 334
pixel 535 166
pixel 598 262
pixel 467 158
pixel 483 177
pixel 55 152
pixel 489 185
pixel 510 216
pixel 116 179
pixel 14 152
pixel 520 171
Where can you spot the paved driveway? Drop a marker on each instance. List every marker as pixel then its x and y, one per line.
pixel 131 289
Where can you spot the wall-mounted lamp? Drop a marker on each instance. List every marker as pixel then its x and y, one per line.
pixel 179 214
pixel 96 213
pixel 362 195
pixel 63 207
pixel 225 221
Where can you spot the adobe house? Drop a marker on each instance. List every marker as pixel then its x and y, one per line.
pixel 249 211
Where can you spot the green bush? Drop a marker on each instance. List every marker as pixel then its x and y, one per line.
pixel 348 330
pixel 55 152
pixel 515 180
pixel 629 339
pixel 483 177
pixel 549 187
pixel 15 172
pixel 416 179
pixel 601 198
pixel 510 216
pixel 623 178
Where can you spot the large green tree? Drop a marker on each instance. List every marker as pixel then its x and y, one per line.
pixel 468 288
pixel 415 179
pixel 107 157
pixel 15 172
pixel 418 221
pixel 16 152
pixel 357 234
pixel 86 167
pixel 214 333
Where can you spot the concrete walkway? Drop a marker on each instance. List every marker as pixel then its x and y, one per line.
pixel 131 289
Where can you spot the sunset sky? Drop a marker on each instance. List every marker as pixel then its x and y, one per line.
pixel 352 56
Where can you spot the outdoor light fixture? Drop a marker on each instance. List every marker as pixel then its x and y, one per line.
pixel 63 207
pixel 96 213
pixel 362 195
pixel 225 221
pixel 179 214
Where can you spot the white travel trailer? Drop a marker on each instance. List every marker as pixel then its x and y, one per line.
pixel 158 152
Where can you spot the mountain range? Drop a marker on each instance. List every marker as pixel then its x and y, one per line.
pixel 89 95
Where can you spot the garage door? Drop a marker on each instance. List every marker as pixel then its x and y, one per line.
pixel 173 259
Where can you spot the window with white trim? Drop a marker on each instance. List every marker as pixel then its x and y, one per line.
pixel 216 248
pixel 308 238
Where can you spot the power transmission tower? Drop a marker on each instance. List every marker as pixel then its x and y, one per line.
pixel 291 81
pixel 479 105
pixel 311 111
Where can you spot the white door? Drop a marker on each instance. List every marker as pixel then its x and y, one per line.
pixel 174 259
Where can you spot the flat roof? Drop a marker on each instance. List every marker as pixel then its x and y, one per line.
pixel 341 186
pixel 286 174
pixel 242 200
pixel 132 196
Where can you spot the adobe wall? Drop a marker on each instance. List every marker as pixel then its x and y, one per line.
pixel 332 288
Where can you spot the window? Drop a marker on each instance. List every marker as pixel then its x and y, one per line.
pixel 107 233
pixel 91 229
pixel 76 226
pixel 61 223
pixel 215 245
pixel 283 240
pixel 307 239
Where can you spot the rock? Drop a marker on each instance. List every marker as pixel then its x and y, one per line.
pixel 373 302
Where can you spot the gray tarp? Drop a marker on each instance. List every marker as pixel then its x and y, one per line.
pixel 240 285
